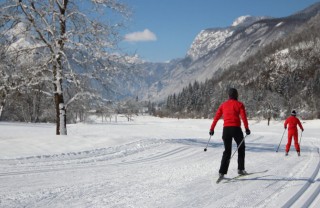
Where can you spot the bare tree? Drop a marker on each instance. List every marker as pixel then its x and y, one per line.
pixel 68 34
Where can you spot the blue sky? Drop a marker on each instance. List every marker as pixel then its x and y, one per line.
pixel 162 30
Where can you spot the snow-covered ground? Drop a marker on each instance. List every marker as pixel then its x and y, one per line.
pixel 152 162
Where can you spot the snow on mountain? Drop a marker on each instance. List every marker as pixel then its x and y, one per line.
pixel 246 20
pixel 211 39
pixel 208 40
pixel 133 59
pixel 240 20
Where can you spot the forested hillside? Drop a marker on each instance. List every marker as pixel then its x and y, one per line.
pixel 282 76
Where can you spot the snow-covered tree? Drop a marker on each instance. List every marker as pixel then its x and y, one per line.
pixel 74 40
pixel 13 77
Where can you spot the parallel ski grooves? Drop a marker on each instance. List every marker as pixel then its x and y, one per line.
pixel 293 199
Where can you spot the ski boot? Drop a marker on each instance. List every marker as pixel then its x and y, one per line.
pixel 242 172
pixel 221 177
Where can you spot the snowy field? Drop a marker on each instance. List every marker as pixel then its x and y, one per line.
pixel 152 162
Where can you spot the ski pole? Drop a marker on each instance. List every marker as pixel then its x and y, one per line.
pixel 281 140
pixel 238 146
pixel 205 149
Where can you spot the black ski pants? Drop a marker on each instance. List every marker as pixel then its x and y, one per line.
pixel 228 133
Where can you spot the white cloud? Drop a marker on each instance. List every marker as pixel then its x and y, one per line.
pixel 145 35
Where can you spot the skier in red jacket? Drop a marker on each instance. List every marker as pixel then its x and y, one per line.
pixel 292 122
pixel 231 110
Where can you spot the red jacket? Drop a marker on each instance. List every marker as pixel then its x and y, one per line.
pixel 293 121
pixel 231 110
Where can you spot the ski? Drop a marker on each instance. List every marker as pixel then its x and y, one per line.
pixel 227 180
pixel 244 175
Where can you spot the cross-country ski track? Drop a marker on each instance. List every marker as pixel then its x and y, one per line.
pixel 150 171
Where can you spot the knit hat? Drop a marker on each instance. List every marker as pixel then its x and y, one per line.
pixel 233 93
pixel 293 113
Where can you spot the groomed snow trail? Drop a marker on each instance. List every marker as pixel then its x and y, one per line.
pixel 173 172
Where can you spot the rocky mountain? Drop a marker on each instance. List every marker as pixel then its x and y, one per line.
pixel 216 49
pixel 211 39
pixel 280 77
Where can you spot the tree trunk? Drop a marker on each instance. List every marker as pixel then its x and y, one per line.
pixel 1 109
pixel 61 112
pixel 61 115
pixel 3 101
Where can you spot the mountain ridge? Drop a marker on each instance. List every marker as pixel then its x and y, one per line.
pixel 237 44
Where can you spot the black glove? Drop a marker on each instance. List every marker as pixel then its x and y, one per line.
pixel 211 133
pixel 248 131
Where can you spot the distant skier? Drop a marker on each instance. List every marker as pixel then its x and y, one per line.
pixel 292 121
pixel 231 110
